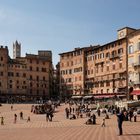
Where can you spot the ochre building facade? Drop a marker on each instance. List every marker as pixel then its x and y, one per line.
pixel 27 77
pixel 97 70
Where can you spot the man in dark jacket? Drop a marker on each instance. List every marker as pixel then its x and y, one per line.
pixel 120 118
pixel 93 118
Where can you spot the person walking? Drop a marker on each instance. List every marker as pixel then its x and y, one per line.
pixel 28 119
pixel 11 107
pixel 2 120
pixel 47 115
pixel 50 114
pixel 130 115
pixel 21 115
pixel 135 115
pixel 93 118
pixel 120 118
pixel 103 123
pixel 15 118
pixel 67 112
pixel 99 112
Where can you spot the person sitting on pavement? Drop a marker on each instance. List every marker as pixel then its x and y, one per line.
pixel 73 117
pixel 89 121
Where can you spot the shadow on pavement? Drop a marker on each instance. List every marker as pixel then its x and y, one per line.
pixel 131 134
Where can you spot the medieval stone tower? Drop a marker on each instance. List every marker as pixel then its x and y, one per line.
pixel 16 49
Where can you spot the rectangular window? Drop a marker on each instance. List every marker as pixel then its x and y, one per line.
pixel 30 91
pixel 102 68
pixel 31 77
pixel 107 68
pixel 43 69
pixel 113 66
pixel 37 62
pixel 30 61
pixel 37 68
pixel 37 78
pixel 92 71
pixel 1 73
pixel 107 83
pixel 120 65
pixel 101 84
pixel 17 74
pixel 43 78
pixel 120 51
pixel 30 68
pixel 88 72
pixel 71 63
pixel 139 59
pixel 31 84
pixel 37 85
pixel 130 49
pixel 101 91
pixel 67 64
pixel 107 90
pixel 24 74
pixel 97 69
pixel 138 46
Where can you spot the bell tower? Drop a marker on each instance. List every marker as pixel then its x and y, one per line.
pixel 16 49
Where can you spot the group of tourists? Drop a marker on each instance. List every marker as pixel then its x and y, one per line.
pixel 47 108
pixel 79 110
pixel 76 110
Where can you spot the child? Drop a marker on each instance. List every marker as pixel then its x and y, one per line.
pixel 15 118
pixel 2 120
pixel 103 123
pixel 28 119
pixel 11 107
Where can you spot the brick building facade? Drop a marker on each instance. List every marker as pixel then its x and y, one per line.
pixel 97 70
pixel 25 78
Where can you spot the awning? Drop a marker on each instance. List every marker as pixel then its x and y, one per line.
pixel 76 97
pixel 87 97
pixel 103 96
pixel 135 92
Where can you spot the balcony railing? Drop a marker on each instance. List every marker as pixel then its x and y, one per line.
pixel 115 56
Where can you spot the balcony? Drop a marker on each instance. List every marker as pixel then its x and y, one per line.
pixel 115 56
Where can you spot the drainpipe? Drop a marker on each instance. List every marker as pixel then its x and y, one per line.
pixel 127 80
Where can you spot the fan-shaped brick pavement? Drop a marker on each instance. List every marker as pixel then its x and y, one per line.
pixel 61 128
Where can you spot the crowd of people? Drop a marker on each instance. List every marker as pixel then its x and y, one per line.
pixel 48 108
pixel 75 110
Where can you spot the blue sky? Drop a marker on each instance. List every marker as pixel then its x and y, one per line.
pixel 62 25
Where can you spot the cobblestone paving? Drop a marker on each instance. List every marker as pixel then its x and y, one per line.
pixel 61 128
